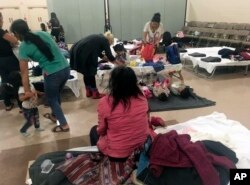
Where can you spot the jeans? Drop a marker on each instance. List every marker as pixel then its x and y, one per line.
pixel 32 118
pixel 53 85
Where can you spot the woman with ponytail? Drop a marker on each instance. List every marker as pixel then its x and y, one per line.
pixel 153 30
pixel 41 48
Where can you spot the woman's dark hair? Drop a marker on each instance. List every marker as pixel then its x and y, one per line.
pixel 185 93
pixel 20 27
pixel 53 15
pixel 55 19
pixel 43 27
pixel 123 86
pixel 156 18
pixel 119 47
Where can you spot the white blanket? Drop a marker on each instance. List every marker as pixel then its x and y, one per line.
pixel 217 127
pixel 211 51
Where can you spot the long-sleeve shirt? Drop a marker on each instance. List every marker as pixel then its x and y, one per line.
pixel 84 54
pixel 121 131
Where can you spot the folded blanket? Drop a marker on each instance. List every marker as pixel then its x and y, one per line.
pixel 196 54
pixel 158 66
pixel 211 59
pixel 226 53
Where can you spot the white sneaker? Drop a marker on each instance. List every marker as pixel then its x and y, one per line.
pixel 39 129
pixel 25 134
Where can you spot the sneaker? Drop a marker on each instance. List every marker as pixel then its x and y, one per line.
pixel 40 129
pixel 97 95
pixel 9 108
pixel 25 134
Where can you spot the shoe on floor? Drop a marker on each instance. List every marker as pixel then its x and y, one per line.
pixel 50 117
pixel 88 92
pixel 25 134
pixel 59 128
pixel 97 95
pixel 9 108
pixel 40 129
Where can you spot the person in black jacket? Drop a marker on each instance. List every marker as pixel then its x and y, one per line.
pixel 54 25
pixel 84 59
pixel 8 60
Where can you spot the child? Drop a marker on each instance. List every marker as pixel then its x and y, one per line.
pixel 180 89
pixel 167 85
pixel 29 105
pixel 121 54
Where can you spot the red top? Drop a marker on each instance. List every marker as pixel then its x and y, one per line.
pixel 121 131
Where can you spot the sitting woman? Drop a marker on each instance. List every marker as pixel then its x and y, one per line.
pixel 123 123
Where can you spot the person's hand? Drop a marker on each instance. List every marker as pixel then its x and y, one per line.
pixel 29 94
pixel 119 63
pixel 105 58
pixel 39 93
pixel 144 43
pixel 34 97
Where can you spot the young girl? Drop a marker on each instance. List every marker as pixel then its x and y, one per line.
pixel 29 104
pixel 122 56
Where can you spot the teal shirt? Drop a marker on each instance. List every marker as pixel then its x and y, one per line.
pixel 29 51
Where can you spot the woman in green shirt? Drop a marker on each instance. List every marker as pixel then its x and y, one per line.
pixel 40 47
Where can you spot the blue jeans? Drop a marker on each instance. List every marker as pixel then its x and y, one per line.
pixel 53 85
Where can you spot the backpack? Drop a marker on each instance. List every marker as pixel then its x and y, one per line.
pixel 148 52
pixel 173 54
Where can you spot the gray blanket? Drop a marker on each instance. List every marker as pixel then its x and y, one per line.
pixel 177 103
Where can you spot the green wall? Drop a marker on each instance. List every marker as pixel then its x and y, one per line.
pixel 84 17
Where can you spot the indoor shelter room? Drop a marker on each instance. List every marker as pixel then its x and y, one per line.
pixel 148 73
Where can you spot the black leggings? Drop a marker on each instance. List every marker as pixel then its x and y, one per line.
pixel 8 65
pixel 89 82
pixel 94 137
pixel 56 32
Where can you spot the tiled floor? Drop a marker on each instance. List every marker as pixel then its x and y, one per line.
pixel 231 92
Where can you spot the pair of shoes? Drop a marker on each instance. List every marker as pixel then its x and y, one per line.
pixel 39 129
pixel 25 134
pixel 50 117
pixel 9 108
pixel 59 128
pixel 88 92
pixel 97 95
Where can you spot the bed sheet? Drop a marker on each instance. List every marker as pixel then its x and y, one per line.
pixel 211 51
pixel 217 127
